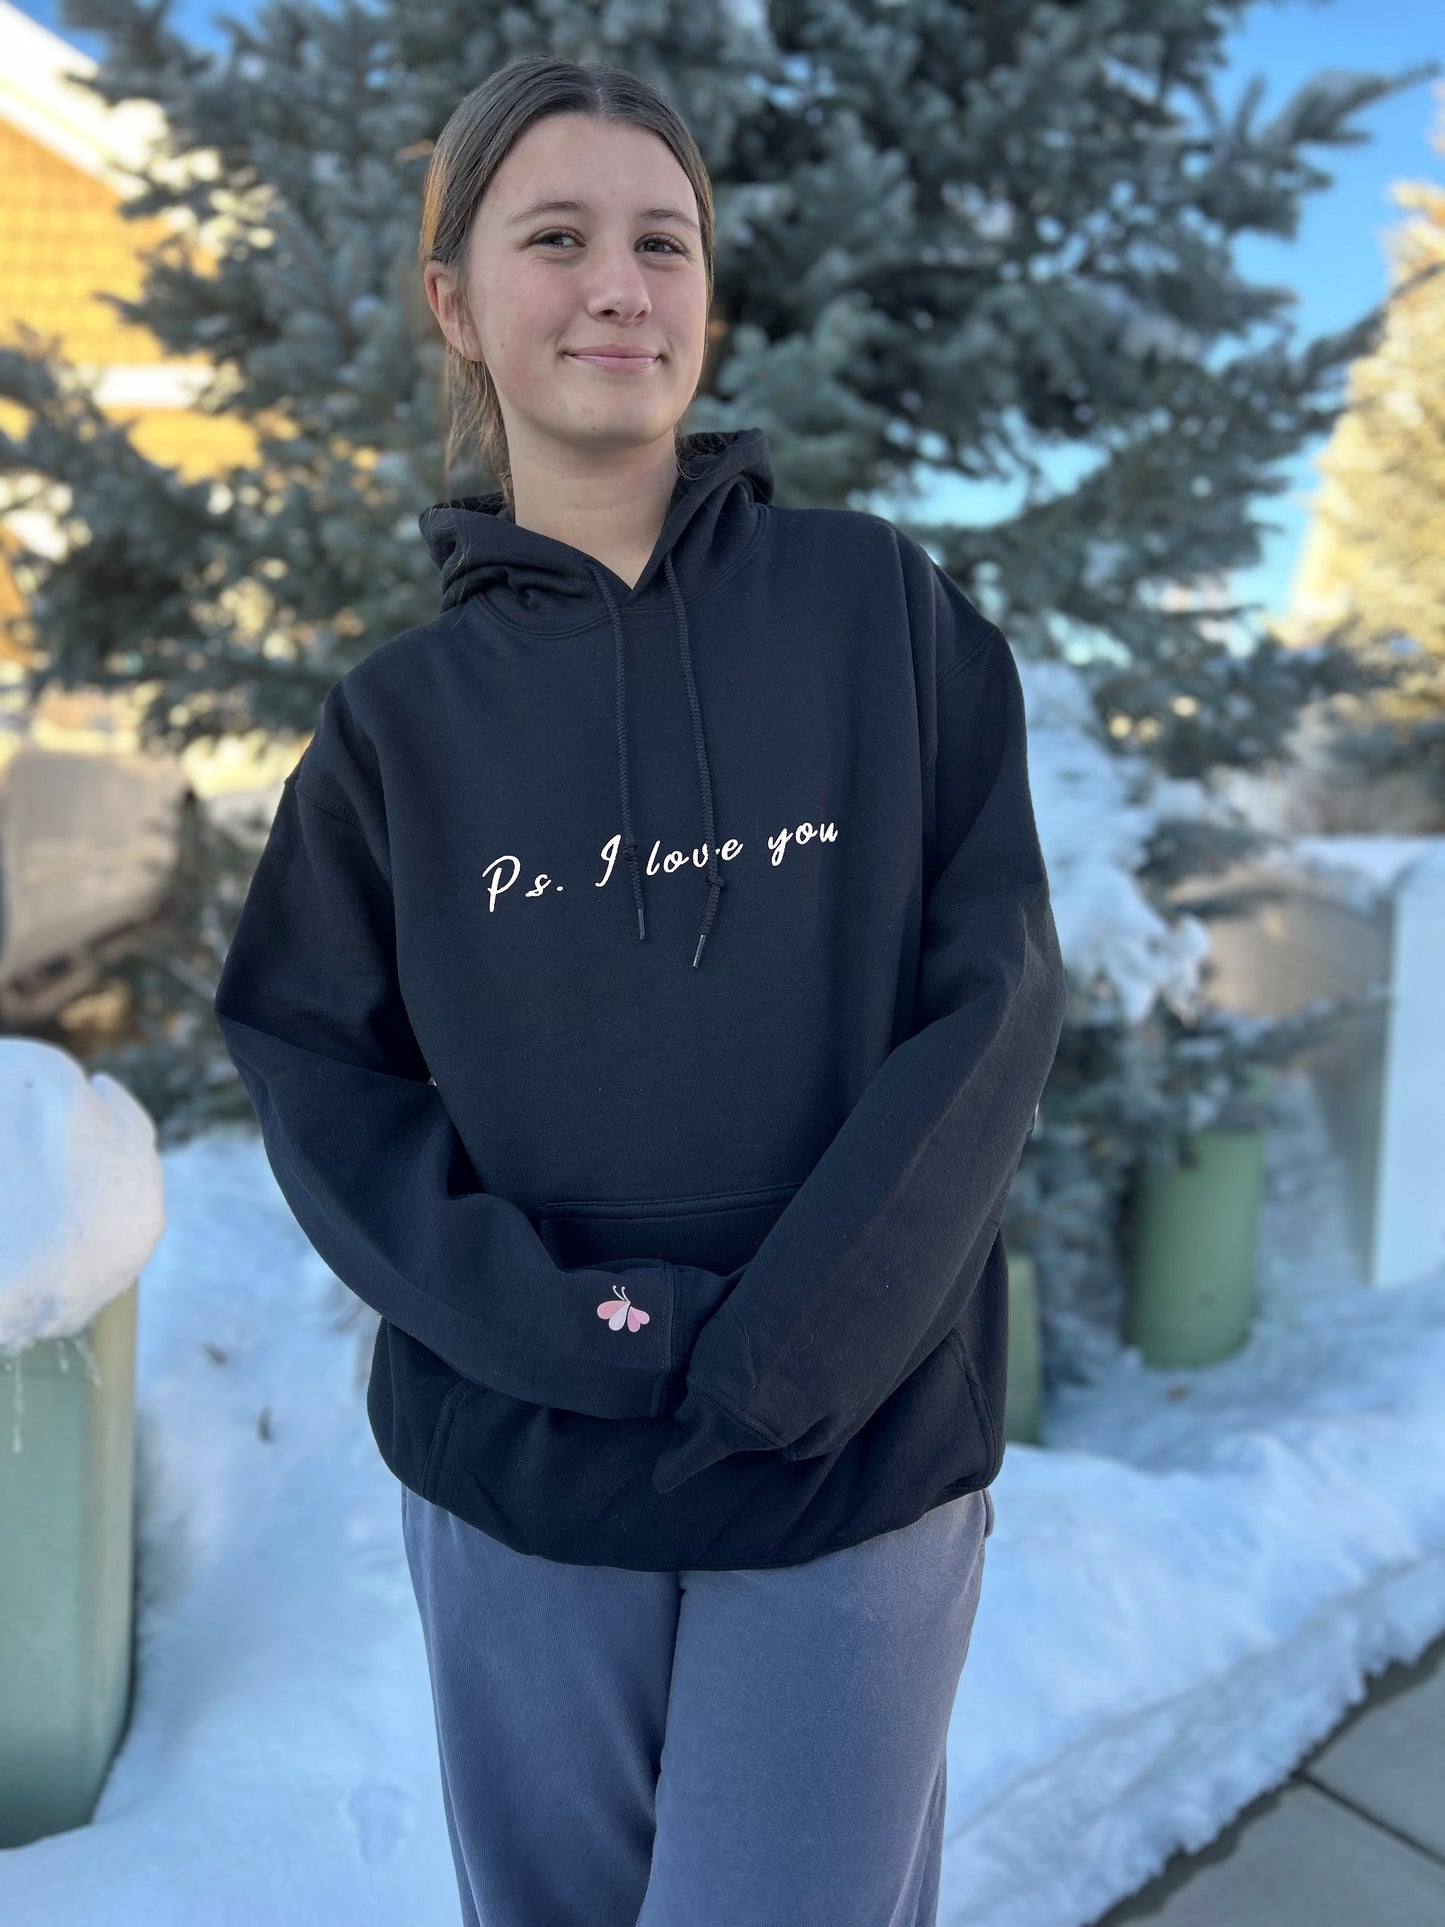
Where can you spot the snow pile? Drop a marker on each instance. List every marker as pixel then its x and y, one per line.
pixel 81 1192
pixel 1096 810
pixel 1198 1570
pixel 280 1762
pixel 1360 869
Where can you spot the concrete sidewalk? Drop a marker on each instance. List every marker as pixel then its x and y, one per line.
pixel 1354 1838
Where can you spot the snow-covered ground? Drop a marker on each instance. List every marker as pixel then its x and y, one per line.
pixel 1185 1590
pixel 1191 1579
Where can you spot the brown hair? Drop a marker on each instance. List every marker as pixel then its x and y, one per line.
pixel 477 138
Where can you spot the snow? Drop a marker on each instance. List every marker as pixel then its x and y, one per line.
pixel 1096 809
pixel 1358 869
pixel 1185 1589
pixel 80 1191
pixel 280 1764
pixel 1197 1570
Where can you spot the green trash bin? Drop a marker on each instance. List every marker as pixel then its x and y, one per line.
pixel 1025 1396
pixel 1192 1256
pixel 67 1569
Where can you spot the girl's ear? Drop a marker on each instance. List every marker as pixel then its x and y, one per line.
pixel 444 299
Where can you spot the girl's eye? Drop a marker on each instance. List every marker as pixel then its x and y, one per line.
pixel 558 234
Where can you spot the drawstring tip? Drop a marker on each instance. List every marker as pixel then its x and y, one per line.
pixel 712 895
pixel 630 848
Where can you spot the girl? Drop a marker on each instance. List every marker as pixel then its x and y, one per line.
pixel 645 992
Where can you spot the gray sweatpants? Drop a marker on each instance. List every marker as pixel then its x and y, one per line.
pixel 760 1747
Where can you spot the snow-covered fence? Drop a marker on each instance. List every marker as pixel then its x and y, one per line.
pixel 1334 916
pixel 81 1209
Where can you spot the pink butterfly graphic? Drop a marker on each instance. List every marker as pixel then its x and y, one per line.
pixel 620 1311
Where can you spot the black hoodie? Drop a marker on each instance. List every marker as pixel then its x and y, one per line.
pixel 645 995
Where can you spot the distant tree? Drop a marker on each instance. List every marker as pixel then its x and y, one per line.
pixel 1374 573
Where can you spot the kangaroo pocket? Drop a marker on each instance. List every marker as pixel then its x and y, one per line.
pixel 717 1230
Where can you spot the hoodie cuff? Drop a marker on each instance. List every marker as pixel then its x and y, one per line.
pixel 708 1432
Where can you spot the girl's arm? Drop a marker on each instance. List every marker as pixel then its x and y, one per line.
pixel 367 1155
pixel 876 1255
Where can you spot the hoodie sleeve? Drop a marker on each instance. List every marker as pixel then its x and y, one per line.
pixel 366 1153
pixel 877 1253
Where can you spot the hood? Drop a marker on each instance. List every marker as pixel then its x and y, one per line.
pixel 549 588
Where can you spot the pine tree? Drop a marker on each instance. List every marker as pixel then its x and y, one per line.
pixel 952 242
pixel 1373 575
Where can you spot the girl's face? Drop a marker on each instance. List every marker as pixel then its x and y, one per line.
pixel 620 267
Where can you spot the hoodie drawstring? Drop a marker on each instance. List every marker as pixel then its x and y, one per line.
pixel 629 842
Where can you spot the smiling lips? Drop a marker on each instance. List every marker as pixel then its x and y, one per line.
pixel 622 361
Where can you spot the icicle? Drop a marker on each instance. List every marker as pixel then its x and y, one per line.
pixel 12 1364
pixel 81 1342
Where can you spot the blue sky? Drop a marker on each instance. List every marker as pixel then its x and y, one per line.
pixel 1336 263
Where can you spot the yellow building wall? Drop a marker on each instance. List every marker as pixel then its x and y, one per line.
pixel 64 241
pixel 63 238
